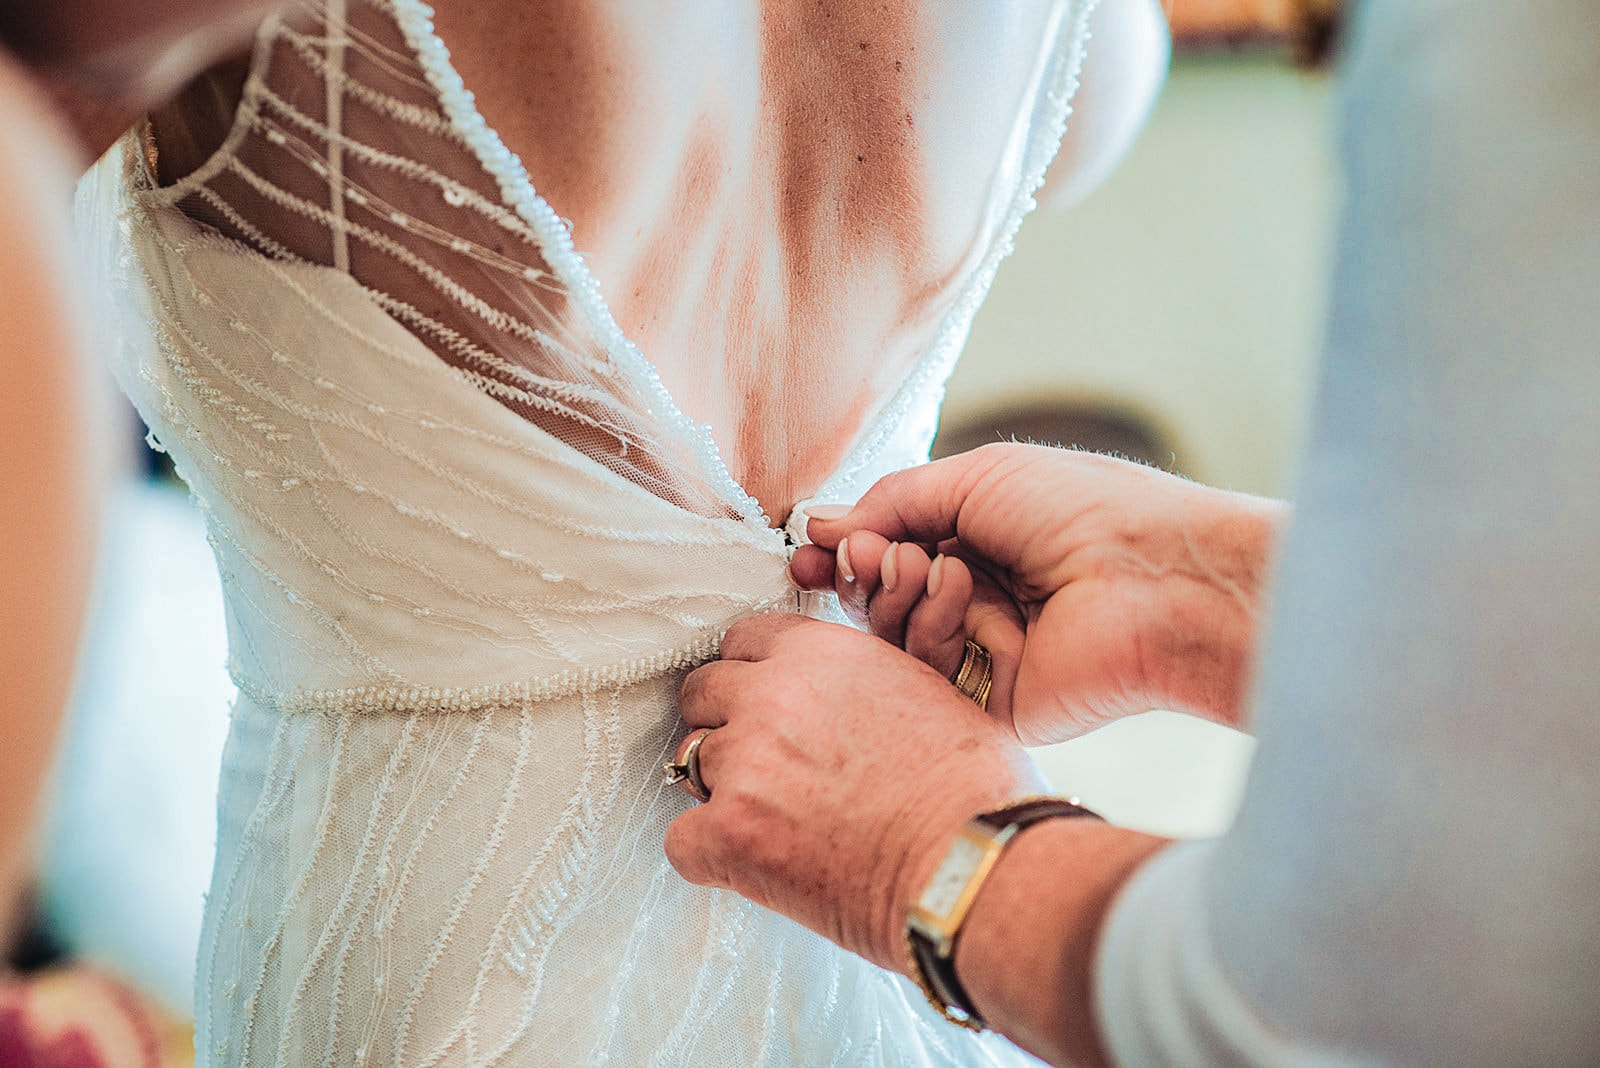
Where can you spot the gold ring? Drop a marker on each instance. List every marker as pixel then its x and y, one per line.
pixel 976 674
pixel 686 772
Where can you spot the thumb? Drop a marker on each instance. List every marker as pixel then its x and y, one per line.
pixel 920 504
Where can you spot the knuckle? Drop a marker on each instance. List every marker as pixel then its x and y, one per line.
pixel 712 688
pixel 705 692
pixel 749 638
pixel 739 826
pixel 692 690
pixel 738 639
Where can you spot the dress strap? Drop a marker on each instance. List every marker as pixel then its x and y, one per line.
pixel 333 82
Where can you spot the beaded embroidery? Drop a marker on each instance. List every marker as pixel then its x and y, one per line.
pixel 469 543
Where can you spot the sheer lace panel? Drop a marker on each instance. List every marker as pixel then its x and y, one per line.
pixel 342 155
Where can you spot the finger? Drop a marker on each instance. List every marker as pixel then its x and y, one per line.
pixel 995 622
pixel 680 755
pixel 920 504
pixel 902 583
pixel 692 848
pixel 754 638
pixel 813 568
pixel 936 630
pixel 701 762
pixel 856 564
pixel 713 693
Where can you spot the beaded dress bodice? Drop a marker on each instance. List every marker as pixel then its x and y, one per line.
pixel 469 543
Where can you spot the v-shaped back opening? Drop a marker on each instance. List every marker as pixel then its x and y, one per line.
pixel 345 153
pixel 357 146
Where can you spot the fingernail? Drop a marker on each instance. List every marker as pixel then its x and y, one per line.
pixel 935 575
pixel 828 512
pixel 788 573
pixel 845 569
pixel 886 571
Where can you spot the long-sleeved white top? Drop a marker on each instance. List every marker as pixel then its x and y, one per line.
pixel 1414 877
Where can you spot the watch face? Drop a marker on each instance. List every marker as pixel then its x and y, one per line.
pixel 945 888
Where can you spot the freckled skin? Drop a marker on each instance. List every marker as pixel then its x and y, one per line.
pixel 779 198
pixel 751 184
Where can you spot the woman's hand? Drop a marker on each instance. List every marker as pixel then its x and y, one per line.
pixel 927 607
pixel 1101 588
pixel 840 770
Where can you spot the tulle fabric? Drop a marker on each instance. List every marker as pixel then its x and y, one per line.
pixel 356 147
pixel 469 544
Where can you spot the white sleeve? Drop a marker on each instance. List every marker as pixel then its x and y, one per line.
pixel 1415 874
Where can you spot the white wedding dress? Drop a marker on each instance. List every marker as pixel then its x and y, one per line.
pixel 469 545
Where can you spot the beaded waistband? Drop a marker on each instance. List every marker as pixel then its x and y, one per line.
pixel 403 699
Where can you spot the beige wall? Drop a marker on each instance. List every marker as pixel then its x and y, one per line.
pixel 1189 287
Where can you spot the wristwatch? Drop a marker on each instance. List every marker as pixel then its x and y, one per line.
pixel 935 920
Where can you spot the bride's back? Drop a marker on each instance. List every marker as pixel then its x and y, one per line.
pixel 404 400
pixel 779 201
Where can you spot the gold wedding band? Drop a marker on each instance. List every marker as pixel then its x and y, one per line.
pixel 976 674
pixel 686 772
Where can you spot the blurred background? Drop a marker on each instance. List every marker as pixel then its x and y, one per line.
pixel 1172 317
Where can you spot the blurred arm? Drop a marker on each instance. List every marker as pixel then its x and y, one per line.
pixel 1415 874
pixel 105 63
pixel 46 522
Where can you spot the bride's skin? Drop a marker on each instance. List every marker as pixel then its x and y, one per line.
pixel 781 199
pixel 778 199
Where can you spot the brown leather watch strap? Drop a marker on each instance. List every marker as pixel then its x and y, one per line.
pixel 937 977
pixel 1031 810
pixel 937 973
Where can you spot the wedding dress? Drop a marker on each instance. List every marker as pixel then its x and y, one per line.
pixel 469 544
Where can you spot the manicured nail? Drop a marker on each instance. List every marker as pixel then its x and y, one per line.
pixel 788 573
pixel 886 570
pixel 845 569
pixel 828 512
pixel 935 575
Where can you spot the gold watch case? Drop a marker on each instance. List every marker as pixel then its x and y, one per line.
pixel 948 896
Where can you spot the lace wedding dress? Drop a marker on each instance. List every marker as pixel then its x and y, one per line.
pixel 469 544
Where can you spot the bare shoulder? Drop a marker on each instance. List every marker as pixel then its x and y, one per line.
pixel 603 100
pixel 862 116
